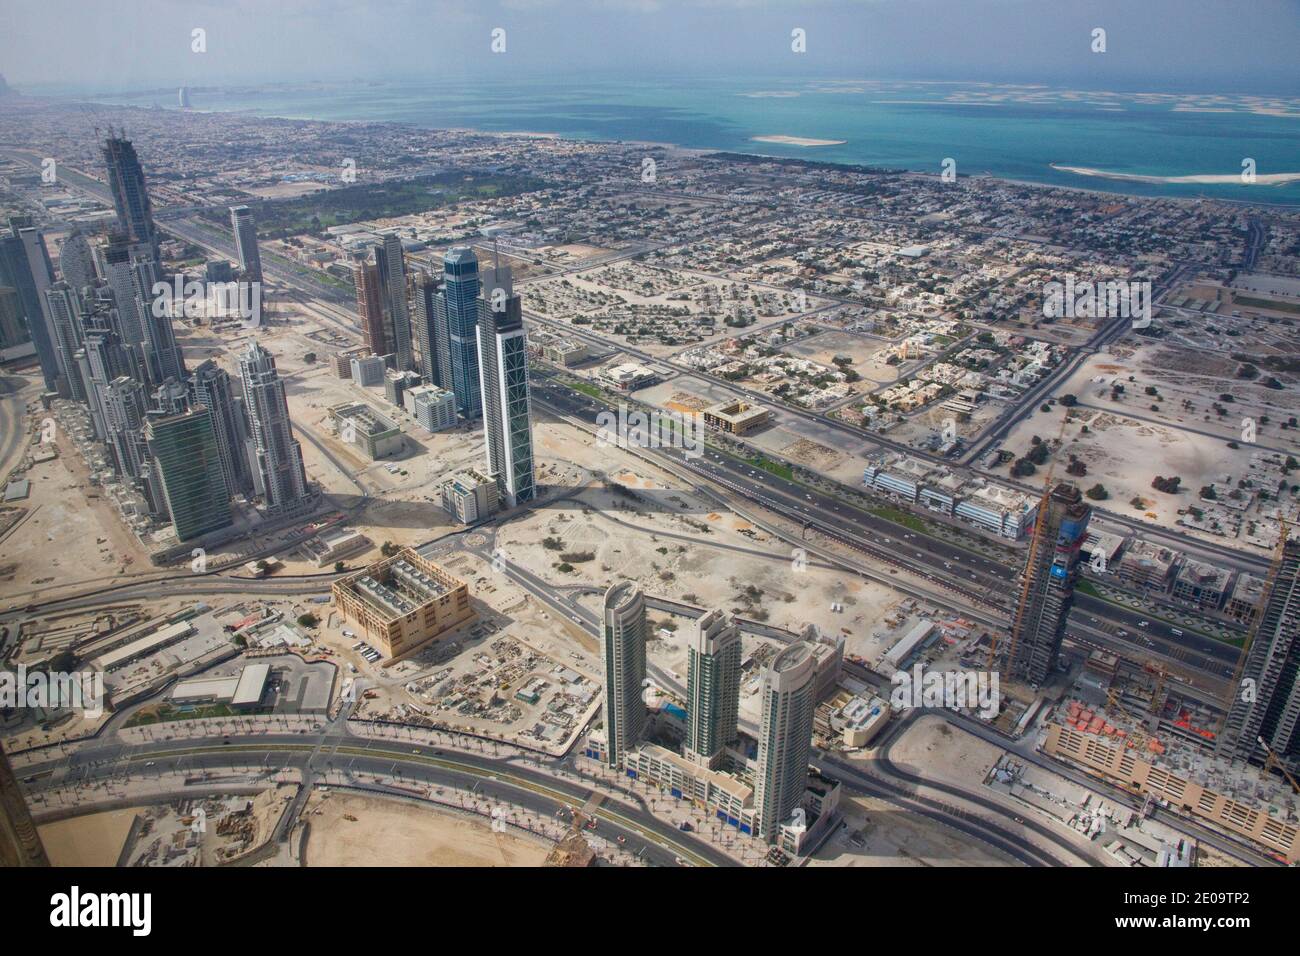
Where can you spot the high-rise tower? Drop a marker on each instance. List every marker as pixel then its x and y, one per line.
pixel 63 308
pixel 503 382
pixel 460 285
pixel 210 386
pixel 20 841
pixel 712 688
pixel 370 306
pixel 279 456
pixel 1271 674
pixel 785 740
pixel 130 196
pixel 245 229
pixel 77 263
pixel 1039 624
pixel 120 256
pixel 429 327
pixel 25 267
pixel 163 356
pixel 397 317
pixel 125 409
pixel 184 450
pixel 623 659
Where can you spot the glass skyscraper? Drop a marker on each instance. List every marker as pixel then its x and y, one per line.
pixel 503 375
pixel 130 197
pixel 279 456
pixel 184 450
pixel 460 287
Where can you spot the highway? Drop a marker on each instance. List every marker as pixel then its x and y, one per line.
pixel 409 764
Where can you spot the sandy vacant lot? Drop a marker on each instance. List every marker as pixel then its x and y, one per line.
pixel 934 747
pixel 394 833
pixel 92 840
pixel 878 834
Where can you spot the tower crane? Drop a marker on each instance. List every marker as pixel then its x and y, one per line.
pixel 1272 760
pixel 1040 523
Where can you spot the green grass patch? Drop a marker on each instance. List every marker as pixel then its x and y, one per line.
pixel 278 218
pixel 908 521
pixel 591 391
pixel 775 467
pixel 1272 304
pixel 165 713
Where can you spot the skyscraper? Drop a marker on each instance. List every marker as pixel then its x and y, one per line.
pixel 20 841
pixel 184 450
pixel 278 454
pixel 170 398
pixel 105 360
pixel 397 316
pixel 63 307
pixel 459 298
pixel 712 688
pixel 130 196
pixel 785 740
pixel 77 263
pixel 245 228
pixel 119 257
pixel 623 659
pixel 15 340
pixel 1271 708
pixel 162 355
pixel 125 409
pixel 370 306
pixel 25 267
pixel 430 339
pixel 210 386
pixel 1039 624
pixel 503 381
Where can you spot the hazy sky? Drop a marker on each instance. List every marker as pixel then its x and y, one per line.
pixel 1246 46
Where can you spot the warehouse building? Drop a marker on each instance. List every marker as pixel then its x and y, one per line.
pixel 243 691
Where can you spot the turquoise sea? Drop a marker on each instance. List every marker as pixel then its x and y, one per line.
pixel 1012 132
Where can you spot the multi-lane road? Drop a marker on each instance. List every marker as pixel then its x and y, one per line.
pixel 333 753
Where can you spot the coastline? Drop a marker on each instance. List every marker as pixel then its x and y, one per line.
pixel 1203 179
pixel 1153 184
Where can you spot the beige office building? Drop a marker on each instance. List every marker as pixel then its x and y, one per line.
pixel 736 417
pixel 402 603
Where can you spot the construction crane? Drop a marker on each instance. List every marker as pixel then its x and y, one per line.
pixel 1272 760
pixel 1265 595
pixel 1040 522
pixel 1162 675
pixel 1137 734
